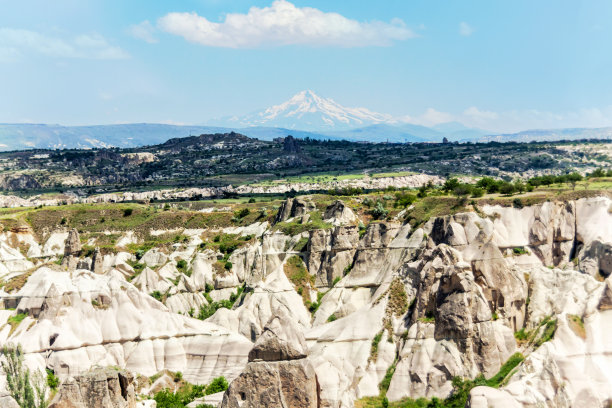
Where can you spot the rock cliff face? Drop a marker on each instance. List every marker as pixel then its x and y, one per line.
pixel 456 296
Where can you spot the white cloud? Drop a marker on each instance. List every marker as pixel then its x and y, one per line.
pixel 516 120
pixel 17 42
pixel 144 31
pixel 465 29
pixel 284 24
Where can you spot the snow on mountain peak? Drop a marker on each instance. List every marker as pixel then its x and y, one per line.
pixel 307 110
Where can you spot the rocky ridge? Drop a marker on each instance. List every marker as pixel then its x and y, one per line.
pixel 412 181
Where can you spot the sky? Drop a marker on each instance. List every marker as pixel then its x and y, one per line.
pixel 497 65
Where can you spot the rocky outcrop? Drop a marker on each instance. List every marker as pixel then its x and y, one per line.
pixel 72 250
pixel 278 374
pixel 97 261
pixel 294 207
pixel 330 252
pixel 101 388
pixel 569 370
pixel 291 145
pixel 338 213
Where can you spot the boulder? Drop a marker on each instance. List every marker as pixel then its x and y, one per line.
pixel 278 374
pixel 282 339
pixel 100 388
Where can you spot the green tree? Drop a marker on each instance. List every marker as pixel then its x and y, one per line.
pixel 379 211
pixel 450 184
pixel 27 389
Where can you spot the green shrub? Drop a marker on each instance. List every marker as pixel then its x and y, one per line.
pixel 127 212
pixel 374 346
pixel 517 203
pixel 219 384
pixel 379 211
pixel 477 192
pixel 26 388
pixel 404 199
pixel 332 318
pixel 181 265
pixel 157 295
pixel 167 399
pixel 242 213
pixel 519 251
pixel 522 334
pixel 52 380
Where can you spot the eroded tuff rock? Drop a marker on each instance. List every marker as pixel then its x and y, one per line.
pixel 88 320
pixel 471 280
pixel 101 388
pixel 339 213
pixel 294 207
pixel 278 373
pixel 72 249
pixel 330 252
pixel 97 261
pixel 569 370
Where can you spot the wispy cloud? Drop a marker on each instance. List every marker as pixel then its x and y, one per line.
pixel 284 24
pixel 144 31
pixel 14 43
pixel 517 120
pixel 465 29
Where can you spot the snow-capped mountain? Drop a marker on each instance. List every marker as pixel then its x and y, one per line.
pixel 307 110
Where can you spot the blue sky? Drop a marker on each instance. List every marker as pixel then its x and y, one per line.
pixel 498 65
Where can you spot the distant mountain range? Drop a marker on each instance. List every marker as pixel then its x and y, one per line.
pixel 551 134
pixel 307 110
pixel 304 115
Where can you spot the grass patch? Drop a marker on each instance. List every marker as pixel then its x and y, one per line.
pixel 550 326
pixel 296 272
pixel 547 327
pixel 208 310
pixel 428 318
pixel 577 325
pixel 458 397
pixel 296 227
pixel 301 244
pixel 505 369
pixel 374 346
pixel 429 207
pixel 16 283
pixel 15 321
